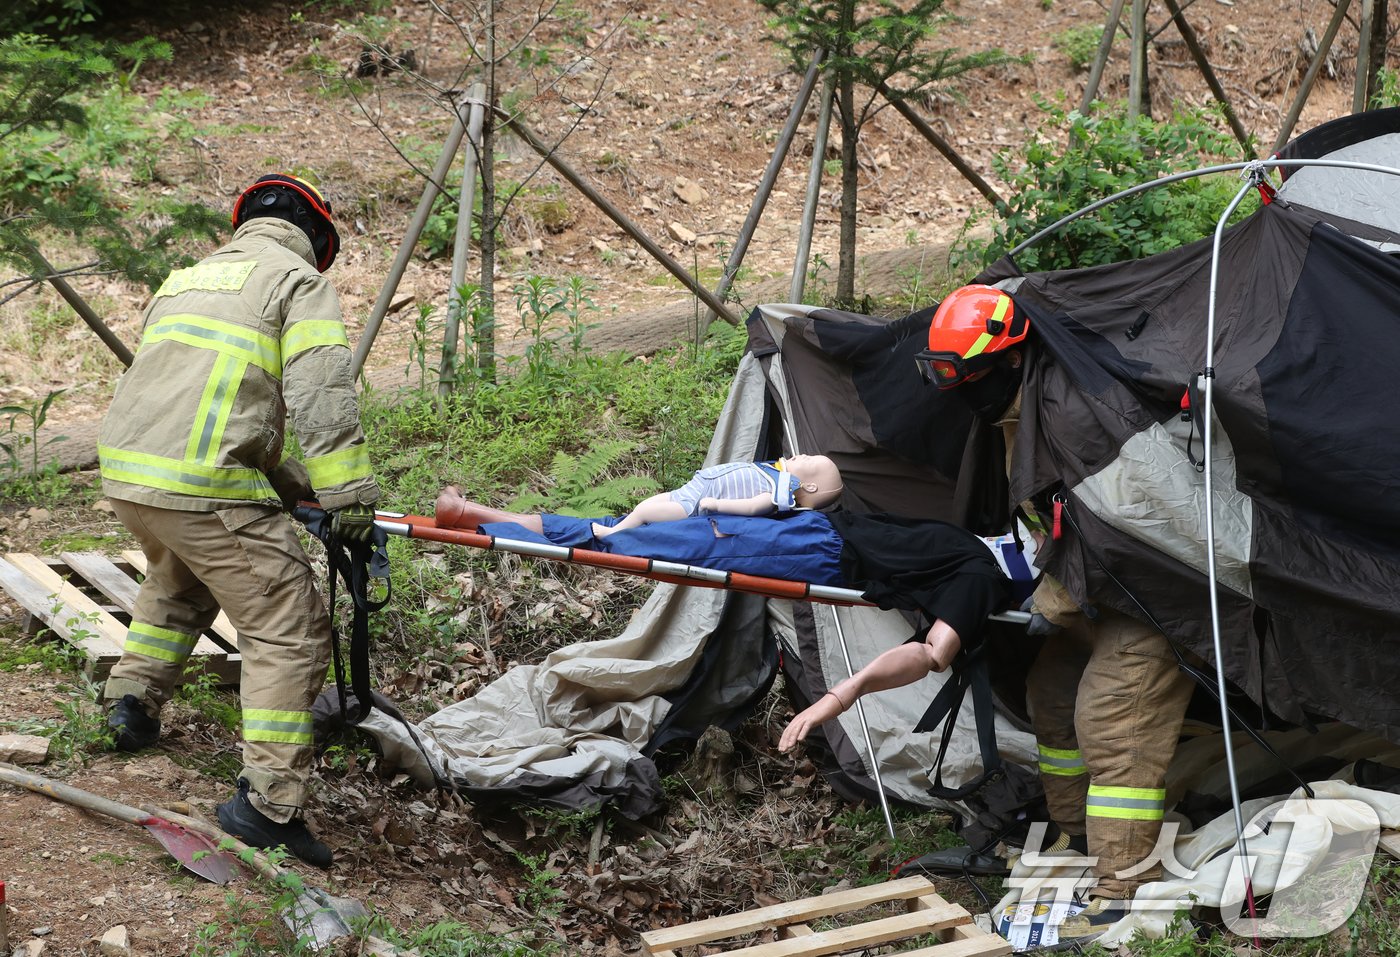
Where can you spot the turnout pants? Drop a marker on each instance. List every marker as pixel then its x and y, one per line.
pixel 246 560
pixel 1107 702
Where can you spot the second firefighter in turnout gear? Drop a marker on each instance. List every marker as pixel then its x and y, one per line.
pixel 1106 695
pixel 192 458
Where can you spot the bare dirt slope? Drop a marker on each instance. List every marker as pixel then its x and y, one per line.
pixel 657 95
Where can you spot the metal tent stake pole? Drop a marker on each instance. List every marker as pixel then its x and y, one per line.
pixel 921 125
pixel 1324 47
pixel 865 730
pixel 1137 66
pixel 461 246
pixel 1363 56
pixel 1110 27
pixel 410 239
pixel 1193 44
pixel 551 156
pixel 765 185
pixel 81 307
pixel 814 189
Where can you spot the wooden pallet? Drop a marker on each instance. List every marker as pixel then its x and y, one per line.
pixel 926 913
pixel 86 599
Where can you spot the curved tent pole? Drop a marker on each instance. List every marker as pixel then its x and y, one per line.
pixel 1254 175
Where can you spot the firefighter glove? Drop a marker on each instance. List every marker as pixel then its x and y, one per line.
pixel 354 522
pixel 1039 625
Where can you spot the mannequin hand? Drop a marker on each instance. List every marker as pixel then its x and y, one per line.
pixel 820 711
pixel 708 504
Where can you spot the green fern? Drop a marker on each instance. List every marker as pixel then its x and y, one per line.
pixel 579 486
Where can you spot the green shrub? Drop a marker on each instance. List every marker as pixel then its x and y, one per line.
pixel 77 150
pixel 1107 153
pixel 1080 44
pixel 47 16
pixel 1387 92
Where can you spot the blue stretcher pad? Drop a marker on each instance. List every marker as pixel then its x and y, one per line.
pixel 800 546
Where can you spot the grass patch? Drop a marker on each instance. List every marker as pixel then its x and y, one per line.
pixel 80 542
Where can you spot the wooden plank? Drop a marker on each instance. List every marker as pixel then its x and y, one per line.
pixel 123 589
pixel 94 568
pixel 776 915
pixel 1390 843
pixel 59 604
pixel 982 944
pixel 221 627
pixel 858 936
pixel 795 930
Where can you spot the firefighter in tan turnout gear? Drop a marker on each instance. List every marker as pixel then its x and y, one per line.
pixel 1106 695
pixel 192 459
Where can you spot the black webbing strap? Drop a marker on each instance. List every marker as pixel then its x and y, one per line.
pixel 356 563
pixel 969 671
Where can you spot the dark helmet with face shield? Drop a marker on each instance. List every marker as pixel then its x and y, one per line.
pixel 289 198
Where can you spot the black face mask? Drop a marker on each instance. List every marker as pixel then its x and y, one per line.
pixel 990 396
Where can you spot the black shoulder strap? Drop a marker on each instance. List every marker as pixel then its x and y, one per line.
pixel 969 671
pixel 356 563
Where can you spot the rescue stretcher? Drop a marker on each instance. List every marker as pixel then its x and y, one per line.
pixel 676 573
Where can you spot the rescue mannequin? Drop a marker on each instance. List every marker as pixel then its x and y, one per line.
pixel 942 571
pixel 191 459
pixel 740 488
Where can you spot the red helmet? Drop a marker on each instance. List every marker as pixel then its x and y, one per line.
pixel 971 326
pixel 290 198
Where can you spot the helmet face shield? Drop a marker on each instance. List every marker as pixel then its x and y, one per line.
pixel 948 369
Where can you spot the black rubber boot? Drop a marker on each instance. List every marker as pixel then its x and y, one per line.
pixel 132 727
pixel 238 817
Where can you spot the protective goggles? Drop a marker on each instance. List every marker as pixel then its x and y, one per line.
pixel 947 369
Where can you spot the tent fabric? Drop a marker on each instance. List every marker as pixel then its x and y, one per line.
pixel 588 723
pixel 1306 457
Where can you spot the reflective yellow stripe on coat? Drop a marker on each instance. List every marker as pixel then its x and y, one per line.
pixel 227 338
pixel 310 333
pixel 186 478
pixel 339 468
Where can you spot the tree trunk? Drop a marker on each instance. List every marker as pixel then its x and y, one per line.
pixel 484 323
pixel 1380 31
pixel 850 170
pixel 850 167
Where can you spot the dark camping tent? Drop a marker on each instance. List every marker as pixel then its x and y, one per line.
pixel 1306 460
pixel 1307 450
